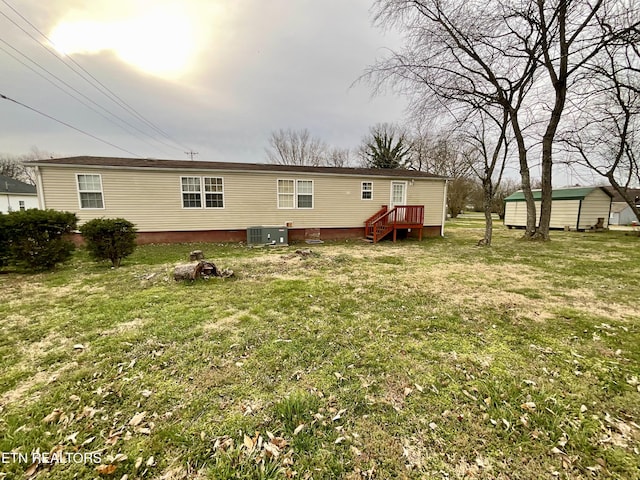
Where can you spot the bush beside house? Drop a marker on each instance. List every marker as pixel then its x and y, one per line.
pixel 36 239
pixel 109 239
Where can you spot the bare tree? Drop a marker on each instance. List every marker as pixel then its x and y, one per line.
pixel 338 157
pixel 296 147
pixel 486 135
pixel 13 165
pixel 485 54
pixel 606 137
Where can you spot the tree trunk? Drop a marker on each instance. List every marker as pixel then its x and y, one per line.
pixel 487 204
pixel 525 177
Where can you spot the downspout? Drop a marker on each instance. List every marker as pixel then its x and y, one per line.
pixel 444 208
pixel 40 190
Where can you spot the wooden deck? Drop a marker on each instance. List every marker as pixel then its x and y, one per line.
pixel 402 217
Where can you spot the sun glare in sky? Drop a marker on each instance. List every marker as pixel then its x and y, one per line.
pixel 160 41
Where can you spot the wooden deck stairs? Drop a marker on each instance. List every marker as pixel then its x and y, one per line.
pixel 401 217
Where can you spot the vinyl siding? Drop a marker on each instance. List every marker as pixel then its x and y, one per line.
pixel 595 205
pixel 563 213
pixel 11 202
pixel 152 200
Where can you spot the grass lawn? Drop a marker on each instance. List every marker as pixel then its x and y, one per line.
pixel 432 359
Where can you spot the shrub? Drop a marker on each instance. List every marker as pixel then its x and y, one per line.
pixel 109 239
pixel 37 238
pixel 4 240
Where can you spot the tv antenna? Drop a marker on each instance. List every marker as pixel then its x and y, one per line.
pixel 191 154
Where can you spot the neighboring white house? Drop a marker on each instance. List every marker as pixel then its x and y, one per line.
pixel 575 208
pixel 179 200
pixel 16 195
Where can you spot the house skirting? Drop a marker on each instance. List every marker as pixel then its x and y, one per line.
pixel 233 236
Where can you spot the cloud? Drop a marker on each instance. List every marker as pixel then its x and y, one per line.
pixel 257 66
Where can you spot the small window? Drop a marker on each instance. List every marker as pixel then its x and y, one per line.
pixel 367 190
pixel 90 191
pixel 286 194
pixel 213 192
pixel 191 193
pixel 305 193
pixel 21 204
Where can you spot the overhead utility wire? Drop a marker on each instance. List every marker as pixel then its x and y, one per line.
pixel 110 95
pixel 140 137
pixel 4 97
pixel 84 78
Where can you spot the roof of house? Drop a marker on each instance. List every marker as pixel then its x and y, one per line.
pixel 632 192
pixel 574 193
pixel 11 185
pixel 154 164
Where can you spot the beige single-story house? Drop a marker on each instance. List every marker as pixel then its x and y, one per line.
pixel 16 195
pixel 578 208
pixel 181 200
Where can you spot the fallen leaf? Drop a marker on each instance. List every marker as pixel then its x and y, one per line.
pixel 407 391
pixel 137 419
pixel 419 388
pixel 279 442
pixel 78 346
pixel 583 408
pixel 146 393
pixel 248 442
pixel 339 440
pixel 433 426
pixel 106 469
pixel 53 416
pixel 529 406
pixel 150 462
pixel 32 469
pixel 138 463
pixel 339 415
pixel 272 450
pixel 72 438
pixel 298 429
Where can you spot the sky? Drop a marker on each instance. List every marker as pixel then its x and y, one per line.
pixel 215 77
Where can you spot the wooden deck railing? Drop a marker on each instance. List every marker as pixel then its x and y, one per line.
pixel 402 216
pixel 368 223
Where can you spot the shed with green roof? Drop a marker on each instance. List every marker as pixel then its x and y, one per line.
pixel 578 208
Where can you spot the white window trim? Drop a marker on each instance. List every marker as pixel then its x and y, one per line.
pixel 278 180
pixel 362 190
pixel 101 192
pixel 313 199
pixel 182 192
pixel 296 193
pixel 202 193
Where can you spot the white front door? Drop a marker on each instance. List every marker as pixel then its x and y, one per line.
pixel 398 194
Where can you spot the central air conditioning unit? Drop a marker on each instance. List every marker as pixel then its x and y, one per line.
pixel 267 236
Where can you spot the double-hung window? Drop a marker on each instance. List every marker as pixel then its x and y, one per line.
pixel 194 188
pixel 367 191
pixel 90 190
pixel 295 193
pixel 213 192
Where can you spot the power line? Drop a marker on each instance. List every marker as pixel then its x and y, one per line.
pixel 4 97
pixel 101 87
pixel 77 91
